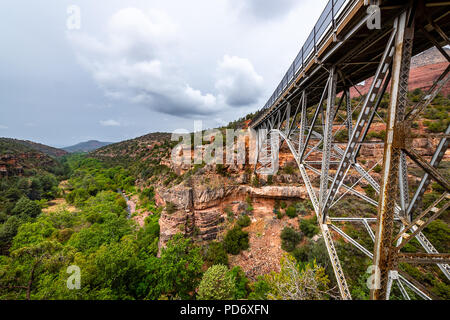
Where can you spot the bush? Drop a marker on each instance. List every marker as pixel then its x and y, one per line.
pixel 309 227
pixel 436 126
pixel 235 241
pixel 291 211
pixel 241 283
pixel 260 289
pixel 302 208
pixel 301 254
pixel 341 136
pixel 377 168
pixel 230 213
pixel 216 254
pixel 370 191
pixel 221 169
pixel 255 181
pixel 170 207
pixel 377 135
pixel 288 169
pixel 278 213
pixel 244 221
pixel 217 284
pixel 26 208
pixel 289 239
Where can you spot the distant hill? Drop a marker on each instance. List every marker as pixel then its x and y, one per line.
pixel 18 157
pixel 50 151
pixel 87 146
pixel 137 149
pixel 426 67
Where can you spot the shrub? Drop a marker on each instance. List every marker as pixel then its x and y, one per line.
pixel 241 283
pixel 288 169
pixel 270 180
pixel 341 136
pixel 278 213
pixel 436 126
pixel 217 284
pixel 26 208
pixel 255 181
pixel 221 169
pixel 301 254
pixel 216 254
pixel 170 207
pixel 289 239
pixel 230 213
pixel 377 168
pixel 370 191
pixel 291 211
pixel 378 135
pixel 244 221
pixel 235 241
pixel 302 208
pixel 260 289
pixel 309 227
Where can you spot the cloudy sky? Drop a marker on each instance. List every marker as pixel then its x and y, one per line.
pixel 133 67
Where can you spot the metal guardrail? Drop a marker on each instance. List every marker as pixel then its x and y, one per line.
pixel 326 20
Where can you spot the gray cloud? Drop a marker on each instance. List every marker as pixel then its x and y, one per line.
pixel 238 81
pixel 134 63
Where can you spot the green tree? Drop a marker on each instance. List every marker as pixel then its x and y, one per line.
pixel 289 239
pixel 293 283
pixel 244 221
pixel 259 289
pixel 27 264
pixel 291 211
pixel 217 284
pixel 309 227
pixel 26 208
pixel 181 264
pixel 216 254
pixel 236 240
pixel 241 282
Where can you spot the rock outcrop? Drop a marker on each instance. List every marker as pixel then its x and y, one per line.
pixel 199 211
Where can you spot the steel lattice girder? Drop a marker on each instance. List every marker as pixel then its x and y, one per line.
pixel 293 134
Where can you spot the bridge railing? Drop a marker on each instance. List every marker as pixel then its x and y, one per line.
pixel 326 22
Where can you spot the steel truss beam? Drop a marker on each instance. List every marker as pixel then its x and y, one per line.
pixel 314 137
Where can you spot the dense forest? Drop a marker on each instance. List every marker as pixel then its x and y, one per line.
pixel 117 259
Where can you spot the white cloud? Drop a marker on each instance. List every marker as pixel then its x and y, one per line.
pixel 138 62
pixel 265 9
pixel 238 81
pixel 109 123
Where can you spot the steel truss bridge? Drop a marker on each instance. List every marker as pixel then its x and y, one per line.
pixel 312 104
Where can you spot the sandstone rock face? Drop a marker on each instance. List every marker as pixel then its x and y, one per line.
pixel 208 223
pixel 171 224
pixel 204 197
pixel 199 210
pixel 423 146
pixel 276 192
pixel 180 196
